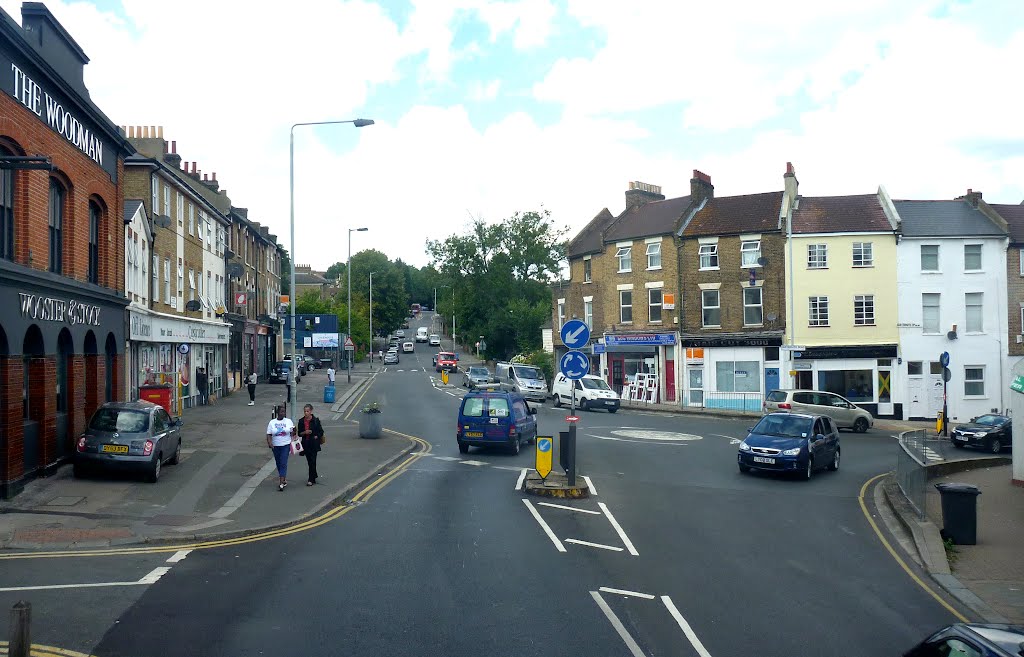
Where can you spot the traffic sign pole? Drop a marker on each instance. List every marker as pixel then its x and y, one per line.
pixel 944 361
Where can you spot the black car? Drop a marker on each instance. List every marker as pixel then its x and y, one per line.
pixel 281 371
pixel 990 640
pixel 991 432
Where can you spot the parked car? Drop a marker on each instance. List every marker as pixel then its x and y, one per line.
pixel 591 392
pixel 846 414
pixel 391 358
pixel 324 363
pixel 138 436
pixel 491 417
pixel 435 340
pixel 280 372
pixel 301 363
pixel 400 334
pixel 991 432
pixel 476 376
pixel 790 442
pixel 527 380
pixel 969 639
pixel 393 343
pixel 309 362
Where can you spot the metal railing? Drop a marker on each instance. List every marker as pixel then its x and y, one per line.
pixel 911 474
pixel 743 402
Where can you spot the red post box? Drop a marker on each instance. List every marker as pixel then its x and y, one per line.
pixel 159 393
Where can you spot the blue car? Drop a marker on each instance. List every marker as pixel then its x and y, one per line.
pixel 790 442
pixel 490 417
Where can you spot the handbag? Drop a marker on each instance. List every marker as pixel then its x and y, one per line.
pixel 323 440
pixel 297 446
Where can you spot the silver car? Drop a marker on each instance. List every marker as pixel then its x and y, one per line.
pixel 845 413
pixel 138 436
pixel 476 376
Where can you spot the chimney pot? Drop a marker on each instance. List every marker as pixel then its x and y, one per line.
pixel 789 168
pixel 174 146
pixel 214 178
pixel 194 169
pixel 204 177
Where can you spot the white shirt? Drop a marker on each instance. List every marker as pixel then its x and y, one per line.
pixel 252 378
pixel 280 432
pixel 330 374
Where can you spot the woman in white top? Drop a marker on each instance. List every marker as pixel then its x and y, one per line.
pixel 251 379
pixel 279 439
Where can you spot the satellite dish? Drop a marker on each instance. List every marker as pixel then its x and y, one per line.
pixel 951 335
pixel 162 221
pixel 193 305
pixel 762 261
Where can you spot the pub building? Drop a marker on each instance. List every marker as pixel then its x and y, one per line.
pixel 62 328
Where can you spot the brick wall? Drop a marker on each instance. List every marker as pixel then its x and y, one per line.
pixel 605 271
pixel 43 409
pixel 1015 292
pixel 12 456
pixel 77 389
pixel 93 382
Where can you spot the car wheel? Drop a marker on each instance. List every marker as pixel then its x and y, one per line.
pixel 583 405
pixel 995 445
pixel 612 410
pixel 463 448
pixel 154 470
pixel 834 465
pixel 861 425
pixel 515 445
pixel 744 469
pixel 809 470
pixel 177 454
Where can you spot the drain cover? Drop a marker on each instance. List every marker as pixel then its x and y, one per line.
pixel 64 500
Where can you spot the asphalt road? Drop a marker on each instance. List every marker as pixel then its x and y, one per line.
pixel 677 554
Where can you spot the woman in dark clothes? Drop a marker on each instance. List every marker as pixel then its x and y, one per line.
pixel 312 434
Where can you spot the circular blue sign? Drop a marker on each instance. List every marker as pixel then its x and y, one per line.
pixel 574 364
pixel 544 444
pixel 575 333
pixel 944 359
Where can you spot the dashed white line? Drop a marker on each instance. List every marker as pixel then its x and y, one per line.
pixel 613 548
pixel 476 463
pixel 155 574
pixel 687 630
pixel 618 528
pixel 544 526
pixel 178 556
pixel 617 624
pixel 645 596
pixel 522 477
pixel 447 458
pixel 568 508
pixel 590 485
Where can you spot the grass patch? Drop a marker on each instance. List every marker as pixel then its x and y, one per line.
pixel 952 551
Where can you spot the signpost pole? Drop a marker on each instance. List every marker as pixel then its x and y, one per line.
pixel 571 473
pixel 944 361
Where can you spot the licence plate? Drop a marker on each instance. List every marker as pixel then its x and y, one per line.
pixel 963 438
pixel 474 434
pixel 610 403
pixel 763 459
pixel 115 449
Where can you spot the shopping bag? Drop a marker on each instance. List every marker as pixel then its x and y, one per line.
pixel 296 447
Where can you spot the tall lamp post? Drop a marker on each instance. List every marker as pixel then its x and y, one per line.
pixel 359 123
pixel 371 318
pixel 348 271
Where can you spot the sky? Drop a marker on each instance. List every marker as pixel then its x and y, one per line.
pixel 484 108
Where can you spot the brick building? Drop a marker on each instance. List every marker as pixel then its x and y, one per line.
pixel 1014 217
pixel 61 256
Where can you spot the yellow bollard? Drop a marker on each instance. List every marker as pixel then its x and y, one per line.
pixel 938 423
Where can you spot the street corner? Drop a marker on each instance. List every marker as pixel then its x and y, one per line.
pixel 556 485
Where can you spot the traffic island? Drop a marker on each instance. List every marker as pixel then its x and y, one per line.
pixel 556 485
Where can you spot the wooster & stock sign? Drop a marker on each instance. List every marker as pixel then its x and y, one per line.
pixel 50 309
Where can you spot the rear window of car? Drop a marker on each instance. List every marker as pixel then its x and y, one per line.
pixel 776 396
pixel 119 419
pixel 497 407
pixel 804 398
pixel 473 407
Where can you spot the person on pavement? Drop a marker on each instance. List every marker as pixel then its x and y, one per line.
pixel 312 434
pixel 252 388
pixel 279 440
pixel 202 383
pixel 330 375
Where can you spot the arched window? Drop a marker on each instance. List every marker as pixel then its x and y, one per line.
pixel 56 227
pixel 6 210
pixel 94 242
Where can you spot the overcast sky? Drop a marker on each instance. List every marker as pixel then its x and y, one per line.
pixel 484 108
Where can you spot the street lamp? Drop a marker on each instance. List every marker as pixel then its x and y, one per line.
pixel 359 123
pixel 371 318
pixel 348 271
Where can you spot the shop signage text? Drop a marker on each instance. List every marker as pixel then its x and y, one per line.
pixel 658 339
pixel 49 309
pixel 158 329
pixel 732 342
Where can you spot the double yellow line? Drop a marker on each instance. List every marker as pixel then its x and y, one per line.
pixel 45 651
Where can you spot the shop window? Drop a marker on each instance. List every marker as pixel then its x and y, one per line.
pixel 864 310
pixel 972 257
pixel 56 223
pixel 771 353
pixel 930 257
pixel 654 255
pixel 750 253
pixel 708 256
pixel 817 311
pixel 6 210
pixel 753 314
pixel 914 368
pixel 711 308
pixel 974 306
pixel 855 385
pixel 817 256
pixel 625 257
pixel 654 301
pixel 626 306
pixel 974 381
pixel 930 312
pixel 863 255
pixel 738 376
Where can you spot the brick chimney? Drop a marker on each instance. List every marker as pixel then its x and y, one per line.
pixel 171 156
pixel 700 186
pixel 211 181
pixel 972 197
pixel 640 193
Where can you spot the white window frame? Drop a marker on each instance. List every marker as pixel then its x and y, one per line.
pixel 968 296
pixel 653 255
pixel 1022 319
pixel 651 305
pixel 863 254
pixel 154 201
pixel 156 278
pixel 181 280
pixel 561 314
pixel 588 273
pixel 588 311
pixel 167 281
pixel 817 311
pixel 817 256
pixel 1020 256
pixel 180 208
pixel 865 315
pixel 750 248
pixel 191 285
pixel 209 233
pixel 200 225
pixel 981 381
pixel 705 307
pixel 623 307
pixel 759 305
pixel 925 328
pixel 938 261
pixel 981 262
pixel 707 253
pixel 624 254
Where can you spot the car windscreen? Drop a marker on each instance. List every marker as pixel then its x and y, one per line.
pixel 119 419
pixel 595 384
pixel 990 420
pixel 445 355
pixel 528 373
pixel 787 426
pixel 1007 639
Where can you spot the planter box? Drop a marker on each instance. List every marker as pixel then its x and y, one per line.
pixel 369 425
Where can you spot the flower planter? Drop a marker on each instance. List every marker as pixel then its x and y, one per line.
pixel 369 425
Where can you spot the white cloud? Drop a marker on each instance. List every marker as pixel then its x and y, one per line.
pixel 480 92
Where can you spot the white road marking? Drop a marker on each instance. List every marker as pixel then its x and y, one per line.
pixel 150 578
pixel 613 548
pixel 645 596
pixel 336 417
pixel 155 574
pixel 618 528
pixel 723 436
pixel 617 624
pixel 476 463
pixel 544 526
pixel 648 434
pixel 568 508
pixel 178 556
pixel 243 494
pixel 446 458
pixel 506 467
pixel 687 630
pixel 522 478
pixel 643 442
pixel 590 485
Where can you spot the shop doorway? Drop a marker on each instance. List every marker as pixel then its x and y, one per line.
pixel 885 405
pixel 670 380
pixel 805 380
pixel 771 379
pixel 618 373
pixel 696 380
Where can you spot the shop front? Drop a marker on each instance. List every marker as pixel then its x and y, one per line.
pixel 861 373
pixel 730 372
pixel 627 355
pixel 167 350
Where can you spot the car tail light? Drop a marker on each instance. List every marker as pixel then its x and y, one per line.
pixel 512 431
pixel 81 444
pixel 785 406
pixel 148 449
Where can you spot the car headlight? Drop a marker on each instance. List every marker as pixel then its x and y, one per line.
pixel 792 452
pixel 981 434
pixel 744 447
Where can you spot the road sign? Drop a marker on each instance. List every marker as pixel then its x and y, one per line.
pixel 944 360
pixel 572 418
pixel 575 334
pixel 946 374
pixel 545 450
pixel 240 298
pixel 349 345
pixel 444 377
pixel 1018 384
pixel 574 364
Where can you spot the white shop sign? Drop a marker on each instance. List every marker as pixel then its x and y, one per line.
pixel 160 329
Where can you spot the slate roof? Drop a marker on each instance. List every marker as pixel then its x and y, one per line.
pixel 1014 215
pixel 131 206
pixel 648 220
pixel 303 278
pixel 589 239
pixel 732 215
pixel 840 214
pixel 943 218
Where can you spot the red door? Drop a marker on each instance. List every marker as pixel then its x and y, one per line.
pixel 670 380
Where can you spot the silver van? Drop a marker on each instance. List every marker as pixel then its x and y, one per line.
pixel 525 379
pixel 845 413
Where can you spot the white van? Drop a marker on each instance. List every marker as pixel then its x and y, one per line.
pixel 591 392
pixel 525 379
pixel 421 334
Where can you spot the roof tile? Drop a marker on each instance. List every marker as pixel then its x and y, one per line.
pixel 1014 216
pixel 727 215
pixel 647 220
pixel 840 214
pixel 589 239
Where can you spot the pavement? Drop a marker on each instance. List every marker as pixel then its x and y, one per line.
pixel 225 485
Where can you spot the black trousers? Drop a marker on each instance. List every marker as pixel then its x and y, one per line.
pixel 252 392
pixel 311 462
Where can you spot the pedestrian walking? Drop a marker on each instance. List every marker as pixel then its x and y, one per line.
pixel 330 375
pixel 279 439
pixel 202 382
pixel 380 354
pixel 252 388
pixel 312 434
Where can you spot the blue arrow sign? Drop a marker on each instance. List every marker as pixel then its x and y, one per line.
pixel 544 444
pixel 575 333
pixel 944 359
pixel 574 364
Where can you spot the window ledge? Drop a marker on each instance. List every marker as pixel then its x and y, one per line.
pixel 629 322
pixel 755 266
pixel 974 333
pixel 656 321
pixel 709 269
pixel 867 325
pixel 816 268
pixel 871 266
pixel 930 271
pixel 587 282
pixel 716 328
pixel 923 333
pixel 818 326
pixel 624 271
pixel 974 271
pixel 975 396
pixel 754 325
